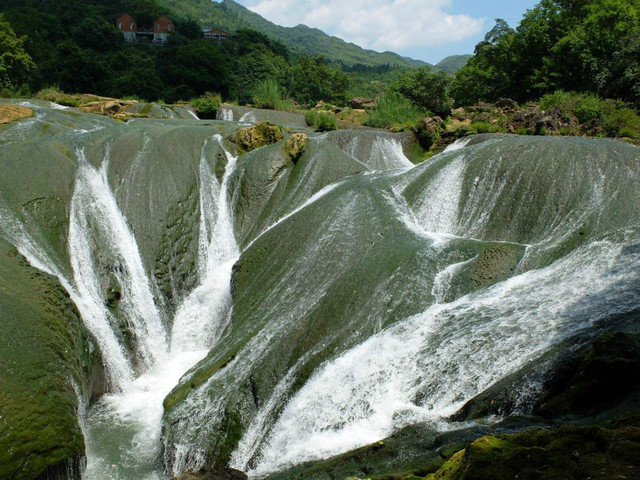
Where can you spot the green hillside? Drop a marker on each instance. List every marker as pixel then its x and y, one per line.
pixel 231 16
pixel 453 63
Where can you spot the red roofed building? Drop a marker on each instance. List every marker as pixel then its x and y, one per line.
pixel 215 34
pixel 158 33
pixel 127 24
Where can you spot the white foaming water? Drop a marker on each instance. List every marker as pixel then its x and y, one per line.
pixel 387 154
pixel 226 114
pixel 125 428
pixel 201 318
pixel 458 145
pixel 96 217
pixel 249 117
pixel 442 280
pixel 427 366
pixel 437 209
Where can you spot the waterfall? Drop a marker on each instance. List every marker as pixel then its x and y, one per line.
pixel 249 117
pixel 201 318
pixel 225 114
pixel 426 367
pixel 128 423
pixel 97 225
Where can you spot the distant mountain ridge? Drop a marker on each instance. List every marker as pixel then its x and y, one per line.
pixel 453 63
pixel 229 15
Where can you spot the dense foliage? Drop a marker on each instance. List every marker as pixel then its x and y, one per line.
pixel 580 45
pixel 77 48
pixel 303 40
pixel 15 63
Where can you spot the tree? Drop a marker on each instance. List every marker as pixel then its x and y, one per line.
pixel 427 89
pixel 15 63
pixel 586 46
pixel 312 80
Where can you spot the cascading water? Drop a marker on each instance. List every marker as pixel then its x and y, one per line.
pixel 97 225
pixel 332 385
pixel 124 428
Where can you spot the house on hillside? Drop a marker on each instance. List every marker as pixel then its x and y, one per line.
pixel 158 33
pixel 215 34
pixel 162 27
pixel 127 24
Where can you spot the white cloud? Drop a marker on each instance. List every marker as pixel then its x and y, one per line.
pixel 376 24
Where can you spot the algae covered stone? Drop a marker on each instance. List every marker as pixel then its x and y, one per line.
pixel 47 361
pixel 262 134
pixel 294 147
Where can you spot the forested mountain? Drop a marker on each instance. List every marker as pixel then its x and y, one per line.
pixel 453 63
pixel 230 15
pixel 76 47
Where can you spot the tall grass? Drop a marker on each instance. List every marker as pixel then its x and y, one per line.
pixel 584 106
pixel 269 95
pixel 320 121
pixel 394 110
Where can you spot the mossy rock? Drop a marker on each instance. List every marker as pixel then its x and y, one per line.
pixel 599 378
pixel 45 352
pixel 569 452
pixel 260 135
pixel 294 148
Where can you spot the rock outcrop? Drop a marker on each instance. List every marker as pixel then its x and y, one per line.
pixel 294 148
pixel 362 103
pixel 260 135
pixel 213 474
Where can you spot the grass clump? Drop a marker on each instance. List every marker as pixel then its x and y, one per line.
pixel 623 122
pixel 320 121
pixel 394 110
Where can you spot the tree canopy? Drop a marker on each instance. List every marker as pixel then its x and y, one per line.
pixel 15 63
pixel 579 45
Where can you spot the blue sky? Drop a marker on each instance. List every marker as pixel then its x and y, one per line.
pixel 428 30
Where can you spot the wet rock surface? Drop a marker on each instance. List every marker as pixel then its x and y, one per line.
pixel 262 134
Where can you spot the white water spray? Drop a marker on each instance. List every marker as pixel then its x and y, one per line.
pixel 128 423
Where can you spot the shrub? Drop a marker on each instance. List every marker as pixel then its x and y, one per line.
pixel 68 101
pixel 585 107
pixel 484 127
pixel 623 122
pixel 321 122
pixel 427 88
pixel 207 105
pixel 394 109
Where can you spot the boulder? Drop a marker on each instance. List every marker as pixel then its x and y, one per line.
pixel 259 135
pixel 360 103
pixel 507 103
pixel 485 117
pixel 108 107
pixel 294 148
pixel 432 124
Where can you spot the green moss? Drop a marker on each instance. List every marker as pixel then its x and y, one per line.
pixel 44 350
pixel 262 134
pixel 570 452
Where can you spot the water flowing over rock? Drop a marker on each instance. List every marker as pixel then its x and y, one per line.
pixel 300 301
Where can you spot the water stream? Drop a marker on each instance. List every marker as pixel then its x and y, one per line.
pixel 123 428
pixel 578 264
